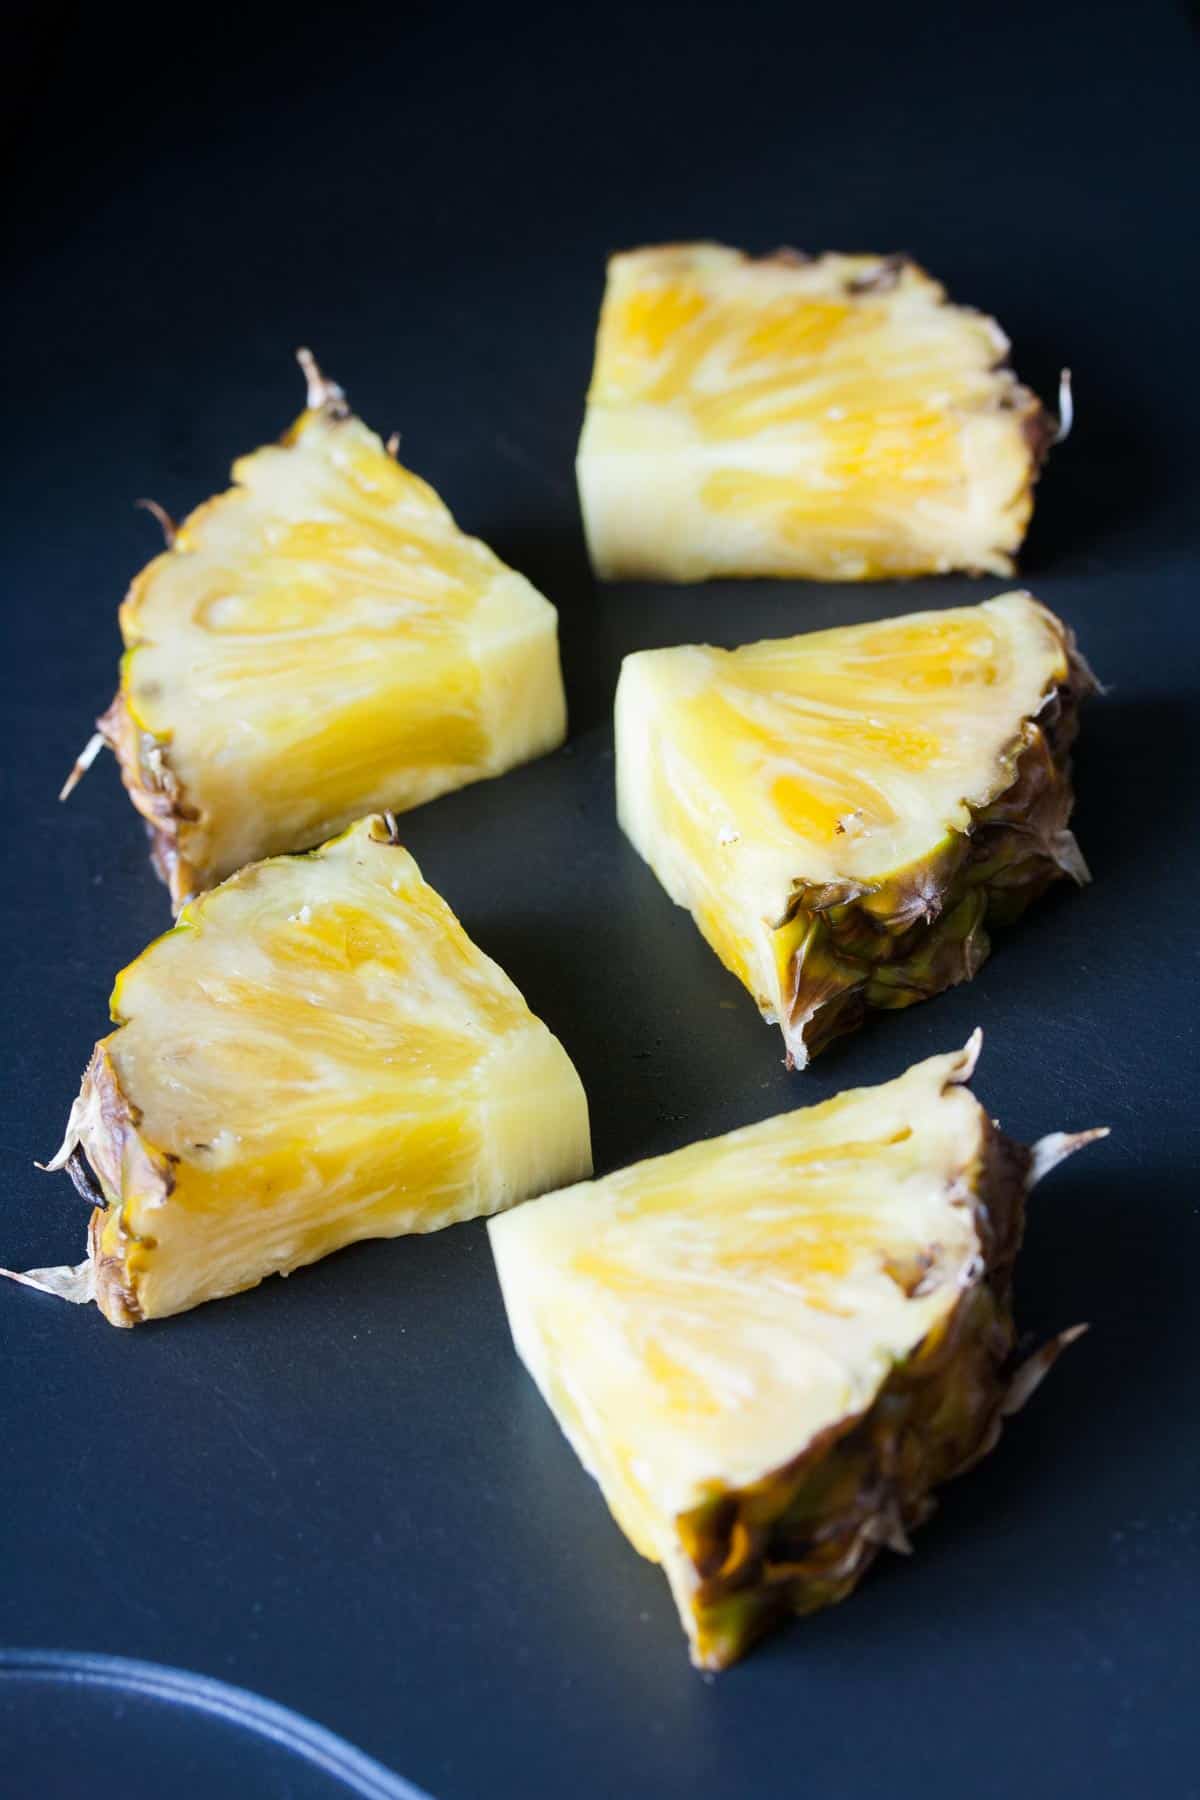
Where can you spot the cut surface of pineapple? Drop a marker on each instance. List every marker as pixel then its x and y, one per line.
pixel 846 813
pixel 317 1053
pixel 832 418
pixel 317 643
pixel 769 1348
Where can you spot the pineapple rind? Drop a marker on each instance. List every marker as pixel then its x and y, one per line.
pixel 271 1095
pixel 753 416
pixel 319 642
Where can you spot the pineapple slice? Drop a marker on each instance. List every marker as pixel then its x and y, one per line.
pixel 770 1347
pixel 846 813
pixel 835 419
pixel 316 1054
pixel 319 642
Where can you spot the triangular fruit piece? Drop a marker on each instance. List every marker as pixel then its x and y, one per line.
pixel 317 643
pixel 316 1054
pixel 833 418
pixel 769 1348
pixel 846 814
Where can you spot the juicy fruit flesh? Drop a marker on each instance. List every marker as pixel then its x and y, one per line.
pixel 322 640
pixel 863 745
pixel 844 762
pixel 697 1321
pixel 316 1054
pixel 832 418
pixel 743 359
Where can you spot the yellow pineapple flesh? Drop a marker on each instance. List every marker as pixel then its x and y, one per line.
pixel 831 418
pixel 845 814
pixel 317 1053
pixel 317 643
pixel 770 1347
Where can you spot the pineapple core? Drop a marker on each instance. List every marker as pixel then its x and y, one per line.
pixel 834 419
pixel 320 642
pixel 846 813
pixel 316 1054
pixel 768 1348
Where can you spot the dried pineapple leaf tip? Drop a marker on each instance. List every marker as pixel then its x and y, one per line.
pixel 1069 857
pixel 1089 674
pixel 1034 1370
pixel 169 528
pixel 323 394
pixel 69 1145
pixel 1049 1151
pixel 968 1056
pixel 1066 408
pixel 887 1527
pixel 82 764
pixel 78 1284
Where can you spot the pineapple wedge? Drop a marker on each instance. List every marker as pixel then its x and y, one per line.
pixel 835 419
pixel 317 1053
pixel 769 1348
pixel 317 643
pixel 846 814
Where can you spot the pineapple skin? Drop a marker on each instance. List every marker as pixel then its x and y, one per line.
pixel 496 697
pixel 860 491
pixel 842 947
pixel 162 1229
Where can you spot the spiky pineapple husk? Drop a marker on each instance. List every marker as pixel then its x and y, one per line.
pixel 804 1536
pixel 104 1153
pixel 158 795
pixel 925 928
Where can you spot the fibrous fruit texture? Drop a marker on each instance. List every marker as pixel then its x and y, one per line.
pixel 316 1054
pixel 833 418
pixel 847 814
pixel 317 643
pixel 769 1348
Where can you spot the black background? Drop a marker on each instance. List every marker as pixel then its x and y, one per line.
pixel 344 1493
